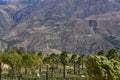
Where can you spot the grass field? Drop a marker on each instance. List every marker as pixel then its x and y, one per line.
pixel 56 76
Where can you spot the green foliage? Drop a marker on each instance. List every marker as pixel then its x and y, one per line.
pixel 74 58
pixel 112 54
pixel 79 60
pixel 27 60
pixel 100 68
pixel 31 60
pixel 53 68
pixel 36 60
pixel 83 57
pixel 1 57
pixel 47 61
pixel 101 52
pixel 20 50
pixel 64 59
pixel 54 57
pixel 13 59
pixel 40 54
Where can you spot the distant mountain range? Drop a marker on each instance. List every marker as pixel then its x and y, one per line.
pixel 78 26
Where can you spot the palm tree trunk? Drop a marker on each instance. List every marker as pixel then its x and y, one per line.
pixel 64 71
pixel 0 71
pixel 82 64
pixel 47 73
pixel 40 69
pixel 74 68
pixel 78 68
pixel 25 71
pixel 52 73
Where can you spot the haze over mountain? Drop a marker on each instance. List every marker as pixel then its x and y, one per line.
pixel 81 26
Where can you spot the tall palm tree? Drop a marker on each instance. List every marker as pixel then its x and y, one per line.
pixel 82 60
pixel 64 59
pixel 74 59
pixel 79 63
pixel 40 54
pixel 47 61
pixel 55 58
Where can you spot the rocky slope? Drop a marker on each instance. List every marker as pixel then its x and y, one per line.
pixel 81 26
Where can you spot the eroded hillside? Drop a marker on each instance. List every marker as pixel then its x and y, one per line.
pixel 82 26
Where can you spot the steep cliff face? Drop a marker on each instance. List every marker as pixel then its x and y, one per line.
pixel 82 26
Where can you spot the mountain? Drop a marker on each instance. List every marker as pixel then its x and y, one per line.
pixel 80 26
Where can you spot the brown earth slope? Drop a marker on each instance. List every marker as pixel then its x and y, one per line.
pixel 81 26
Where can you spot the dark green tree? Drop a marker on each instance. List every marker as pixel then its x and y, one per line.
pixel 79 63
pixel 101 52
pixel 64 59
pixel 40 54
pixel 21 50
pixel 30 61
pixel 27 61
pixel 100 68
pixel 112 54
pixel 47 61
pixel 14 60
pixel 55 59
pixel 74 60
pixel 83 58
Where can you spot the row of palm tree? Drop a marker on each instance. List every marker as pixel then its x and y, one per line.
pixel 54 60
pixel 19 60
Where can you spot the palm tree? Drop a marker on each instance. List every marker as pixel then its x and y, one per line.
pixel 40 54
pixel 64 59
pixel 82 60
pixel 74 59
pixel 79 63
pixel 47 61
pixel 55 59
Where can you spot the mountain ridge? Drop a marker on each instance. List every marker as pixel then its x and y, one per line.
pixel 85 26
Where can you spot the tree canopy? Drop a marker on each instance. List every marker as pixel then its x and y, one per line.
pixel 101 68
